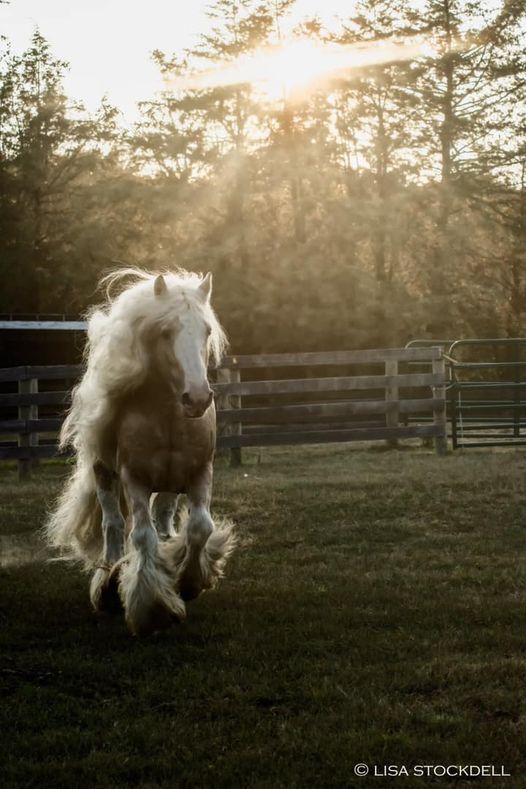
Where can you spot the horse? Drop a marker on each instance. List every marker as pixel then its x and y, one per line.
pixel 142 426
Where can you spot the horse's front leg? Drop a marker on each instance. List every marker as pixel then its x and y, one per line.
pixel 198 529
pixel 147 581
pixel 103 587
pixel 163 512
pixel 207 547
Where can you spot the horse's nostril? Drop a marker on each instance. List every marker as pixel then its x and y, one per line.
pixel 197 403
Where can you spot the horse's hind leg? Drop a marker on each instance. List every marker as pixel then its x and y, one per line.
pixel 103 587
pixel 147 583
pixel 163 511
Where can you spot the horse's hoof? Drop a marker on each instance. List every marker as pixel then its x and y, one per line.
pixel 104 590
pixel 110 598
pixel 189 591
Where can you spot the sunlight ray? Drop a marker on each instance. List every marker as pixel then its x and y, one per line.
pixel 296 66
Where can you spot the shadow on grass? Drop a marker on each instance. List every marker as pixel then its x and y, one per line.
pixel 380 621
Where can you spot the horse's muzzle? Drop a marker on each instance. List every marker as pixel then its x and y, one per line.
pixel 195 407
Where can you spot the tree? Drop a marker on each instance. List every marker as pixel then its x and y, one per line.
pixel 465 103
pixel 49 150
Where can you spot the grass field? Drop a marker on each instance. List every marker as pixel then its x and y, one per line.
pixel 374 612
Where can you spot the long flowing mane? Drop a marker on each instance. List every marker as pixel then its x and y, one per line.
pixel 116 356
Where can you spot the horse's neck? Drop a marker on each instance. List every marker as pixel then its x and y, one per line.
pixel 157 400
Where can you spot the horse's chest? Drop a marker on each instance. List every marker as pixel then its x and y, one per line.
pixel 165 451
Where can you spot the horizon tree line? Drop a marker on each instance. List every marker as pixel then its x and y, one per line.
pixel 388 203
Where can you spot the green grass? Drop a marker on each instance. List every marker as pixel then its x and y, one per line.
pixel 374 612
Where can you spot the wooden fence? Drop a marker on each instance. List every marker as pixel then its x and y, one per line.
pixel 259 407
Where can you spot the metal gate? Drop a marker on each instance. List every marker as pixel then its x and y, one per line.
pixel 487 392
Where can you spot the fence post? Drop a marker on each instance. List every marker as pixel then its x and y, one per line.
pixel 439 411
pixel 517 392
pixel 222 377
pixel 391 396
pixel 227 401
pixel 26 438
pixel 235 402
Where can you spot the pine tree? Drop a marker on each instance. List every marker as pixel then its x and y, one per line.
pixel 462 100
pixel 48 147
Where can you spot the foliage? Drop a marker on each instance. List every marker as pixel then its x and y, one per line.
pixel 51 163
pixel 387 203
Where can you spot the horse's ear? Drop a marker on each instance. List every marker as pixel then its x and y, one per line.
pixel 205 288
pixel 159 286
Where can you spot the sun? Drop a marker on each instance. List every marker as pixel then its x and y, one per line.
pixel 279 71
pixel 293 68
pixel 289 69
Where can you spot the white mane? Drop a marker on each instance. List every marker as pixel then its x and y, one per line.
pixel 116 355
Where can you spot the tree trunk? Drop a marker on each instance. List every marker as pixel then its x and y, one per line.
pixel 380 240
pixel 442 257
pixel 296 191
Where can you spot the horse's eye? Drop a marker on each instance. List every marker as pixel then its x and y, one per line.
pixel 208 331
pixel 166 334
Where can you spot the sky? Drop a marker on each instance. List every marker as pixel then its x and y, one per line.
pixel 108 42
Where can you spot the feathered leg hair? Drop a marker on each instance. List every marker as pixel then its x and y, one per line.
pixel 198 567
pixel 147 583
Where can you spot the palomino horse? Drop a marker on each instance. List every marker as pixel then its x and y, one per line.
pixel 143 418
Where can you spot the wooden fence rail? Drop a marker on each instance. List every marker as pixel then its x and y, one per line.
pixel 257 407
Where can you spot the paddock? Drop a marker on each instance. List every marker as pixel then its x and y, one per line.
pixel 373 613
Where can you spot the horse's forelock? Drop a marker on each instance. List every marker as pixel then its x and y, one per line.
pixel 136 302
